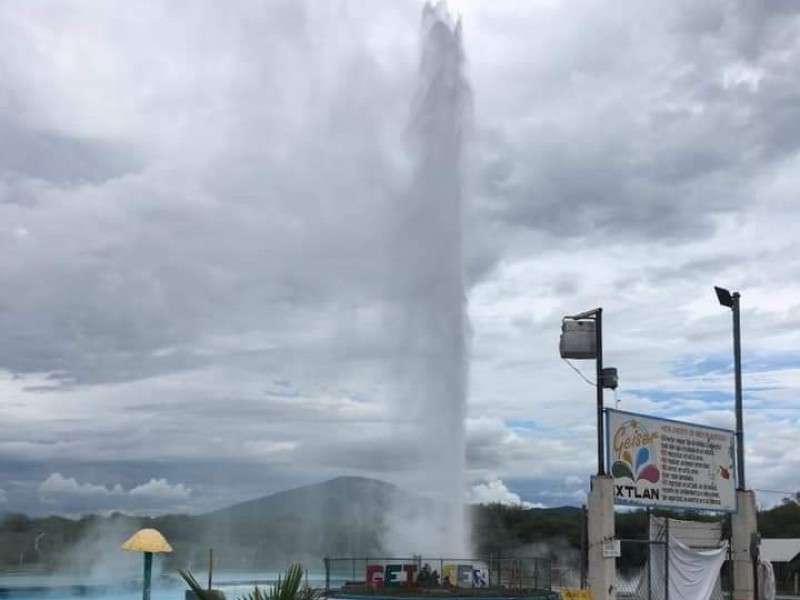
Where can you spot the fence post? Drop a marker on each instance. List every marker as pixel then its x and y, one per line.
pixel 730 557
pixel 327 562
pixel 666 561
pixel 649 557
pixel 649 569
pixel 584 549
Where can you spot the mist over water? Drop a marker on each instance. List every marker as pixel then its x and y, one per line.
pixel 432 330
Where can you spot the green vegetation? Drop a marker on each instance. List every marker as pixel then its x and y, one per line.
pixel 509 530
pixel 288 587
pixel 782 521
pixel 266 533
pixel 199 591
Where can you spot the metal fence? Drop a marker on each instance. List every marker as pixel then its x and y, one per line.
pixel 641 570
pixel 373 574
pixel 521 573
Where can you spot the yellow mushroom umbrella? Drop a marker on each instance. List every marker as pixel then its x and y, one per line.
pixel 147 541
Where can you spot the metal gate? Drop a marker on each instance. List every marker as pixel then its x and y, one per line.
pixel 643 565
pixel 643 570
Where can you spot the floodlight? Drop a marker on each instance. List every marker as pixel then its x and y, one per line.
pixel 724 296
pixel 610 378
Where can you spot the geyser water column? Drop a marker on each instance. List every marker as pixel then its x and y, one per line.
pixel 428 275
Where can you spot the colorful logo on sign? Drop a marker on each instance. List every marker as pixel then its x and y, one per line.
pixel 390 575
pixel 634 457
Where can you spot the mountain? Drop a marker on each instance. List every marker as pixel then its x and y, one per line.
pixel 342 498
pixel 345 516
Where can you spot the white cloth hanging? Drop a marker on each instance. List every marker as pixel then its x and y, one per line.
pixel 766 580
pixel 693 573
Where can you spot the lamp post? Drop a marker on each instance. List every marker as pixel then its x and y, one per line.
pixel 731 300
pixel 581 339
pixel 147 541
pixel 577 343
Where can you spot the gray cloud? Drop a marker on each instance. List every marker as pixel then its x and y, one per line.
pixel 55 158
pixel 648 136
pixel 197 233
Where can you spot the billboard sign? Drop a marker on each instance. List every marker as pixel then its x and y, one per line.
pixel 658 462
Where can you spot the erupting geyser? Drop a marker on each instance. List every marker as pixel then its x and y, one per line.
pixel 429 278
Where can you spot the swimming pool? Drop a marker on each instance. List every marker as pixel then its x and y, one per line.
pixel 168 587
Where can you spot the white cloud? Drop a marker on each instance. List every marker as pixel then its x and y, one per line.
pixel 494 491
pixel 161 489
pixel 154 490
pixel 58 484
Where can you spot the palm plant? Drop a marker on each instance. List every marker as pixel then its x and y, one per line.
pixel 288 587
pixel 201 592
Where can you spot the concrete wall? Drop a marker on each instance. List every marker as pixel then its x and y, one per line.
pixel 602 571
pixel 744 525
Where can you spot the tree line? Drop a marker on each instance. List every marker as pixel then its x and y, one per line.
pixel 51 544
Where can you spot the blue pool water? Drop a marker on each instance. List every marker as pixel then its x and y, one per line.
pixel 53 587
pixel 66 588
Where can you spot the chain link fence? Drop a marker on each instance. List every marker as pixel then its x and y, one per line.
pixel 521 573
pixel 373 574
pixel 643 571
pixel 638 569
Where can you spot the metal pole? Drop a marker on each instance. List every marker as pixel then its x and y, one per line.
pixel 601 468
pixel 666 562
pixel 148 569
pixel 649 558
pixel 754 556
pixel 730 570
pixel 210 565
pixel 755 579
pixel 584 549
pixel 731 565
pixel 737 365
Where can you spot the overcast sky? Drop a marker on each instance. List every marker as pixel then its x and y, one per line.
pixel 196 201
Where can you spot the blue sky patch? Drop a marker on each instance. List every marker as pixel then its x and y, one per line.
pixel 693 366
pixel 659 396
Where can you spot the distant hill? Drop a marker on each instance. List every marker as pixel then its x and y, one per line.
pixel 348 498
pixel 345 516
